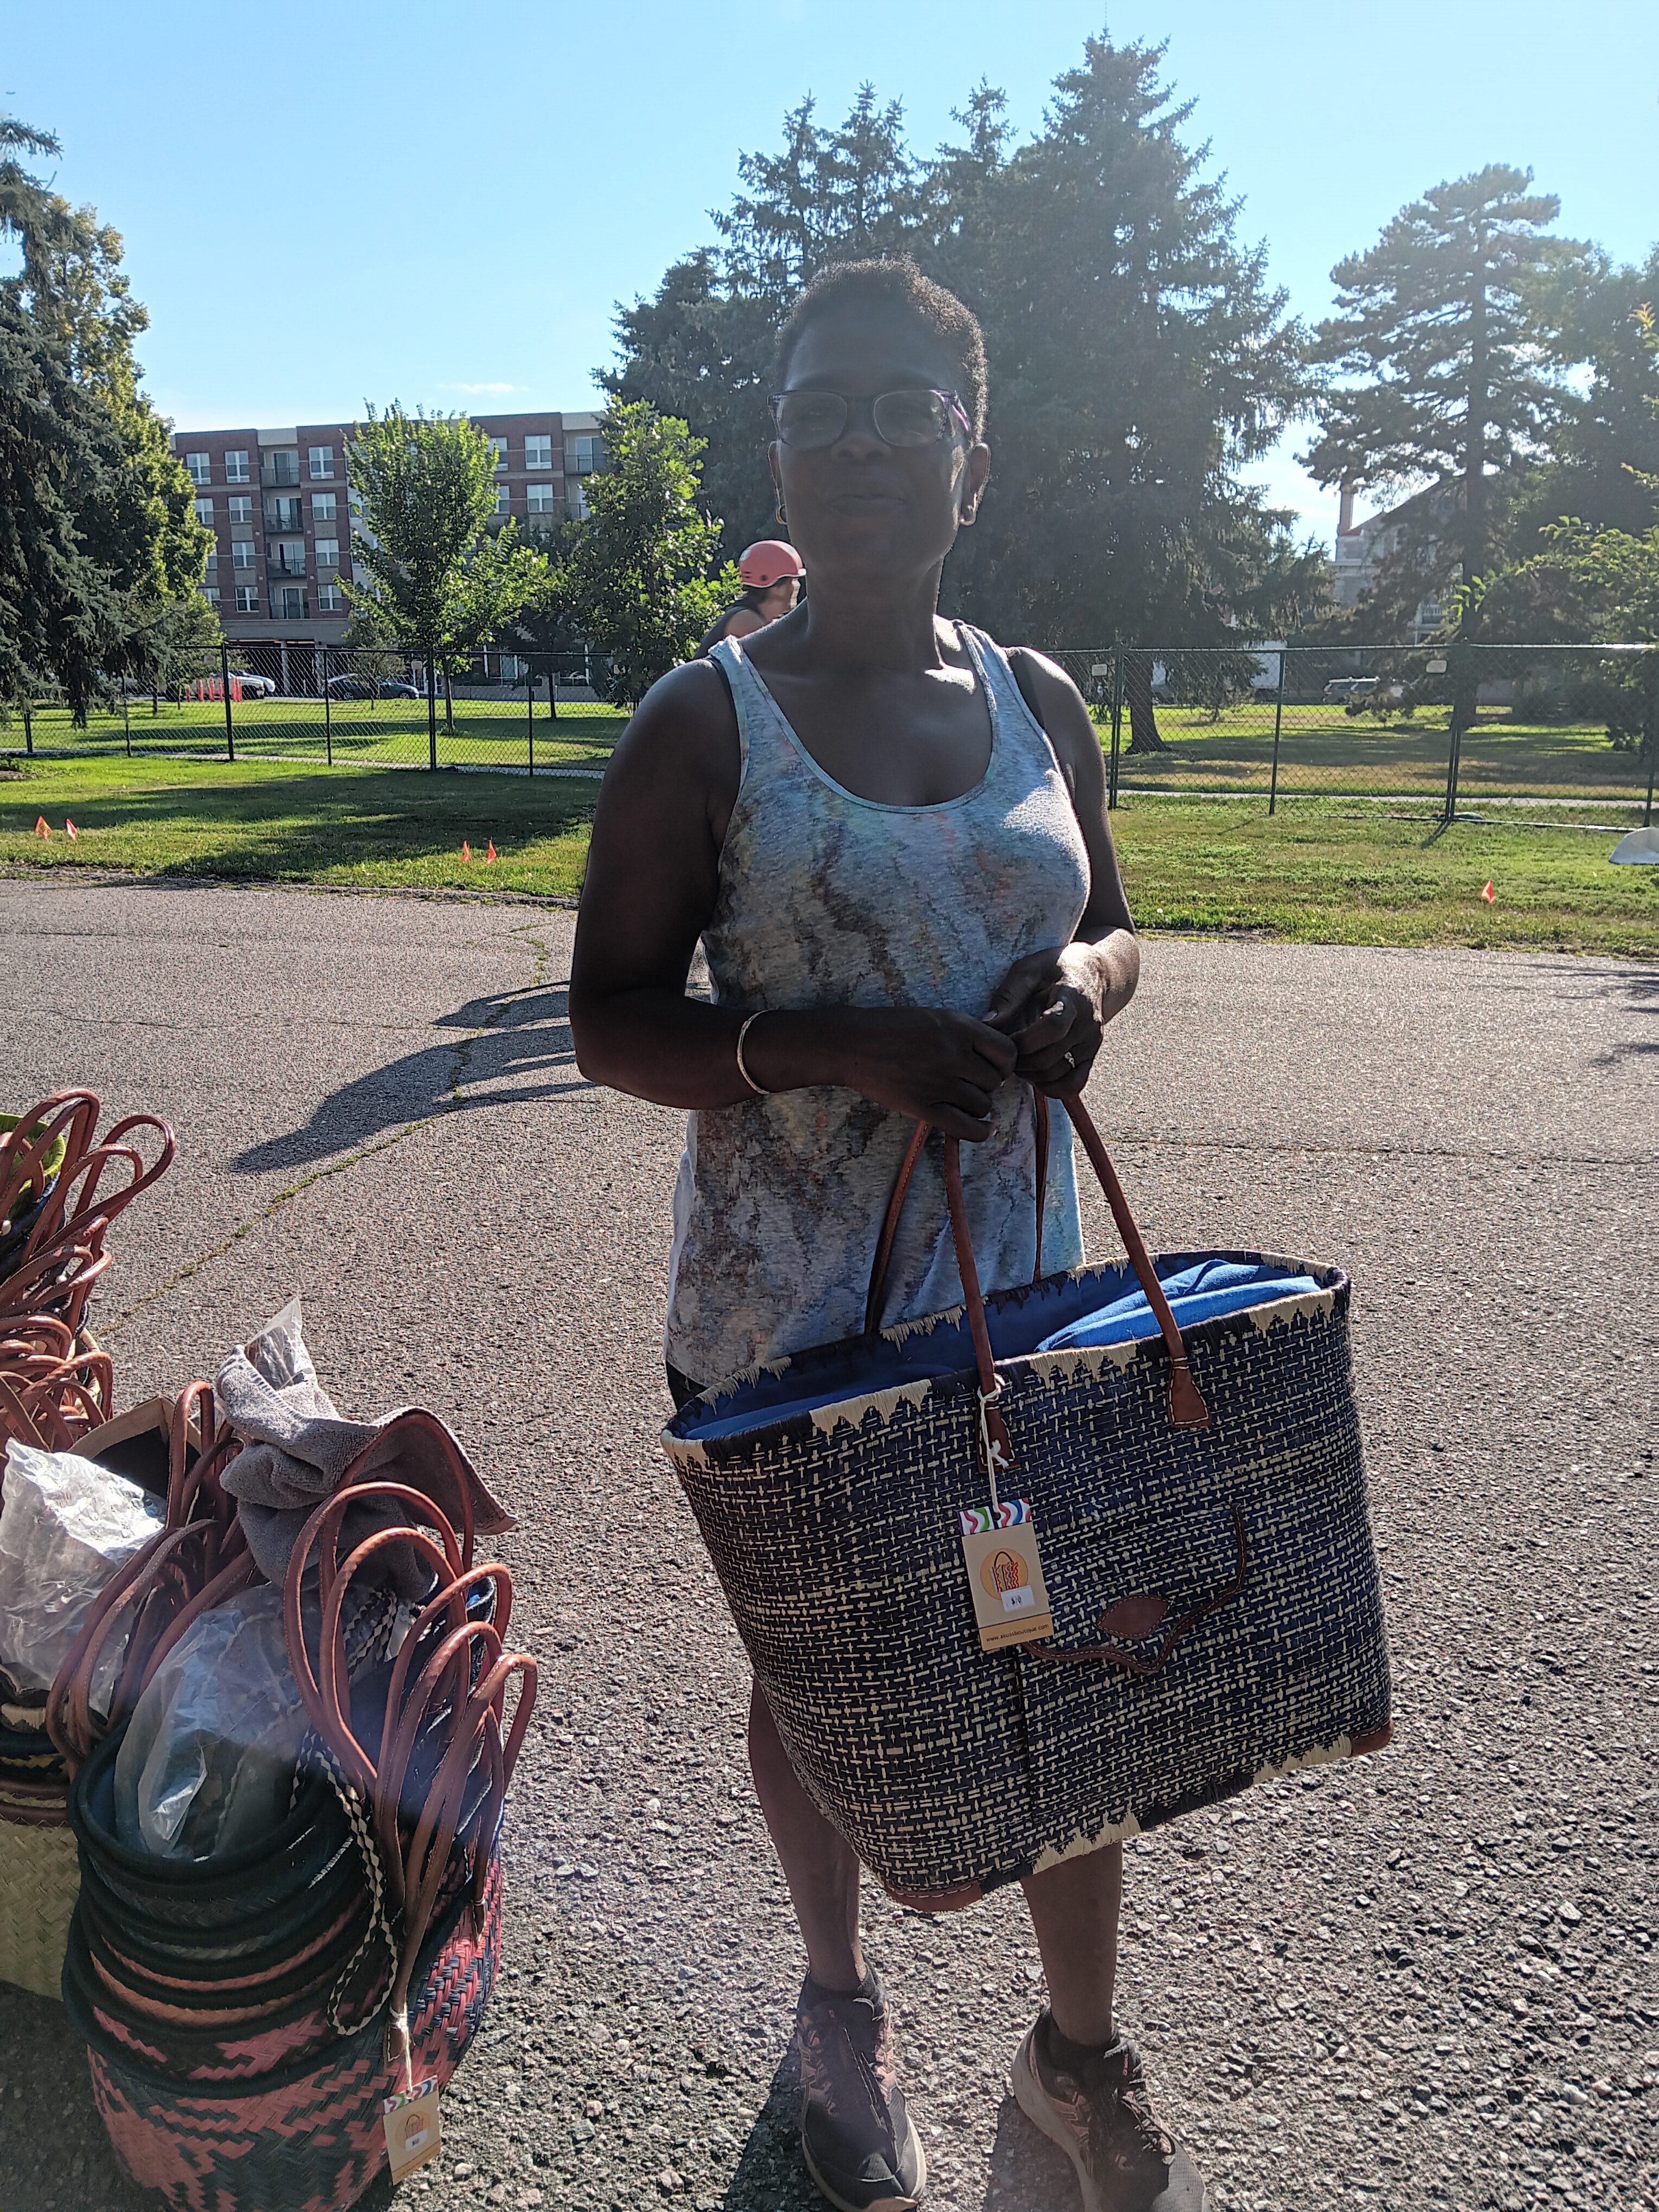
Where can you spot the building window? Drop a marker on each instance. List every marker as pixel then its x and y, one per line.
pixel 539 497
pixel 502 496
pixel 248 599
pixel 284 515
pixel 241 507
pixel 322 507
pixel 575 500
pixel 200 466
pixel 499 447
pixel 322 461
pixel 241 553
pixel 583 456
pixel 331 599
pixel 212 568
pixel 210 594
pixel 236 468
pixel 288 604
pixel 328 552
pixel 539 453
pixel 283 467
pixel 204 512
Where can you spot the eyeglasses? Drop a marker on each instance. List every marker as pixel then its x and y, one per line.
pixel 809 422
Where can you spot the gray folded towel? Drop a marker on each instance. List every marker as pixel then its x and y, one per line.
pixel 297 1448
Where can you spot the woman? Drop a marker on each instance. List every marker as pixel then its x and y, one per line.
pixel 892 840
pixel 770 573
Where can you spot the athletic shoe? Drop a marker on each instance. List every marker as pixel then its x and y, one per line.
pixel 859 2141
pixel 1101 2115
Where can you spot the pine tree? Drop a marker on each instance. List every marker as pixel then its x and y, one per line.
pixel 1440 381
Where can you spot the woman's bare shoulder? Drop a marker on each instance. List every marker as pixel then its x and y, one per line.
pixel 679 757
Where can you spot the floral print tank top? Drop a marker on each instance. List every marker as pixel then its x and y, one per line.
pixel 827 899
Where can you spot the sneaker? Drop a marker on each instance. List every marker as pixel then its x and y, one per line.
pixel 1102 2118
pixel 859 2141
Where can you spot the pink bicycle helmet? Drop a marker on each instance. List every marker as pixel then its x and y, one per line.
pixel 767 562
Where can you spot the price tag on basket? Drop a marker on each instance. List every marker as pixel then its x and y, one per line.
pixel 1000 1544
pixel 414 2136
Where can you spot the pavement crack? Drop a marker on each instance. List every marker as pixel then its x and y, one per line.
pixel 460 1060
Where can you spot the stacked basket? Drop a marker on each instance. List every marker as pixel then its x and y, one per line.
pixel 61 1187
pixel 247 2018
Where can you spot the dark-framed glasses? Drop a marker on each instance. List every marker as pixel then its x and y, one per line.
pixel 808 422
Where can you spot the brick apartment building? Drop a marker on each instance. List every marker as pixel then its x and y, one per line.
pixel 277 504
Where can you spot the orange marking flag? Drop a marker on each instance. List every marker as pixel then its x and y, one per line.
pixel 490 855
pixel 73 832
pixel 466 850
pixel 1489 896
pixel 41 828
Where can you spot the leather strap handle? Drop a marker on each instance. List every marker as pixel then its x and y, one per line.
pixel 1187 1407
pixel 1109 1655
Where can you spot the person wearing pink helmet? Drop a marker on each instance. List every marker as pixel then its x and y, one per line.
pixel 770 573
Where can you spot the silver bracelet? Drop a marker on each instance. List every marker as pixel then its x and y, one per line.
pixel 759 1089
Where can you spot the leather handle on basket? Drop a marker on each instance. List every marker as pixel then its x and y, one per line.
pixel 1187 1407
pixel 1108 1655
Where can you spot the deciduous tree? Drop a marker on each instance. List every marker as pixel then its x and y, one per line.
pixel 641 575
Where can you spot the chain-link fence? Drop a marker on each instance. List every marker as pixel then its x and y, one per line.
pixel 1538 727
pixel 1549 726
pixel 525 712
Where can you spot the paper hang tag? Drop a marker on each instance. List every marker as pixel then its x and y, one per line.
pixel 1010 1603
pixel 414 2134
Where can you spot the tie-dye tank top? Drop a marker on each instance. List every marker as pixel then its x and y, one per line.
pixel 827 899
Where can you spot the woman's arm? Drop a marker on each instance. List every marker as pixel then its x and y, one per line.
pixel 652 878
pixel 1056 1003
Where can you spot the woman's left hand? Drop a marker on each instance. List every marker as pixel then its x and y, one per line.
pixel 1055 1005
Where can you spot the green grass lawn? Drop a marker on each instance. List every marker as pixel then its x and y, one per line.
pixel 1320 870
pixel 1323 749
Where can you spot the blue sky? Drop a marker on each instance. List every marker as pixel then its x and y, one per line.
pixel 325 202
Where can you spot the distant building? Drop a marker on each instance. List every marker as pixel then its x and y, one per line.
pixel 277 505
pixel 1363 547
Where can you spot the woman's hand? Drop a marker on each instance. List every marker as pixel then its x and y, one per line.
pixel 1054 1006
pixel 925 1062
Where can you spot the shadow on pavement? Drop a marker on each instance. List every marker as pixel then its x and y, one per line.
pixel 504 1052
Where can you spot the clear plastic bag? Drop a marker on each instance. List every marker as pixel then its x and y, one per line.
pixel 207 1765
pixel 66 1525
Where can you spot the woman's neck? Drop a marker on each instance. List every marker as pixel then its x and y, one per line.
pixel 872 626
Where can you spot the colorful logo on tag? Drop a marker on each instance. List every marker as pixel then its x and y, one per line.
pixel 980 1519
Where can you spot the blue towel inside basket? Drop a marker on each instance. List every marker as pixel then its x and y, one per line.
pixel 1196 1294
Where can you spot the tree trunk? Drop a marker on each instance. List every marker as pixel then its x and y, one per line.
pixel 1143 717
pixel 449 705
pixel 1475 452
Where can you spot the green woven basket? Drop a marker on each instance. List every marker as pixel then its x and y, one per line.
pixel 40 1882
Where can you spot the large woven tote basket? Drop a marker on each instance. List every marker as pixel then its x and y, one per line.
pixel 1201 1506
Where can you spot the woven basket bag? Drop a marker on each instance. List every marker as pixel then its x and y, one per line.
pixel 39 1875
pixel 1199 1503
pixel 305 2137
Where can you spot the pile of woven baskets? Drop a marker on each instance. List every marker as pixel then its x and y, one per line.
pixel 249 2017
pixel 61 1187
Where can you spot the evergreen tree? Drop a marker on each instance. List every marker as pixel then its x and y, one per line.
pixel 1596 316
pixel 1138 358
pixel 1439 381
pixel 132 514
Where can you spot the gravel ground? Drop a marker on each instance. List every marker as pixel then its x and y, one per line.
pixel 1425 1978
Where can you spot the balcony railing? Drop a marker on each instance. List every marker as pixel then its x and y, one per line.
pixel 284 516
pixel 281 561
pixel 279 469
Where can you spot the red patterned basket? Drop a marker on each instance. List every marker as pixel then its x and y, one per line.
pixel 307 2137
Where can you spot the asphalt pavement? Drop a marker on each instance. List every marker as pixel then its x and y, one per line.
pixel 1422 1978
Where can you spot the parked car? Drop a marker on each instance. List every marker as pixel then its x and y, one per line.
pixel 369 687
pixel 1341 689
pixel 256 686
